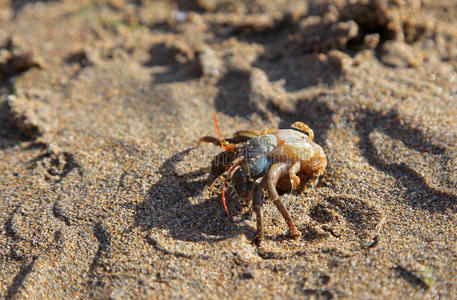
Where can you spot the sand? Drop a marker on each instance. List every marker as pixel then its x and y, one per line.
pixel 103 187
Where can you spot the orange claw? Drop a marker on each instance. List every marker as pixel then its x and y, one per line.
pixel 223 197
pixel 294 182
pixel 229 169
pixel 227 148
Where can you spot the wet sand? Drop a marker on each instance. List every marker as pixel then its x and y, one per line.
pixel 103 187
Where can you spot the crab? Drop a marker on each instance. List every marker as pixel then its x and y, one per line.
pixel 271 161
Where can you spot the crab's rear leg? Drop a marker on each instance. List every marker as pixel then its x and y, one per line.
pixel 275 172
pixel 238 138
pixel 294 179
pixel 245 134
pixel 305 128
pixel 208 139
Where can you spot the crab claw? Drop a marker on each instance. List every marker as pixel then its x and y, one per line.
pixel 219 165
pixel 294 182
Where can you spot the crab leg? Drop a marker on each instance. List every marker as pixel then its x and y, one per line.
pixel 244 134
pixel 238 138
pixel 275 172
pixel 208 139
pixel 294 179
pixel 257 204
pixel 305 128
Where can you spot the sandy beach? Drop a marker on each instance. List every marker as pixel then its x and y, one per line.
pixel 103 187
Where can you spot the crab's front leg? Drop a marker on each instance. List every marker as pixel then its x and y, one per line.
pixel 275 172
pixel 257 204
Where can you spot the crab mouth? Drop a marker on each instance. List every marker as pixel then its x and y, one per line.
pixel 244 196
pixel 246 201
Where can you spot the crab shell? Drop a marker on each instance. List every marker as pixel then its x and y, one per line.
pixel 289 146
